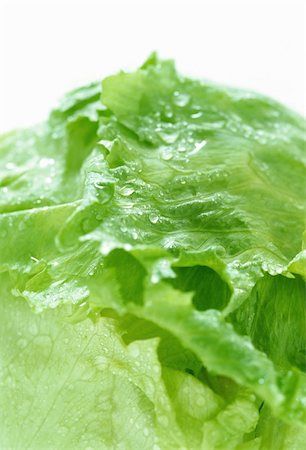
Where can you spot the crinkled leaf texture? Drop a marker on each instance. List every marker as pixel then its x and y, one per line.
pixel 152 270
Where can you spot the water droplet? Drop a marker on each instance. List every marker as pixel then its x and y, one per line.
pixel 146 431
pixel 134 350
pixel 35 260
pixel 56 134
pixel 100 185
pixel 196 115
pixel 261 381
pixel 5 190
pixel 126 191
pixel 168 136
pixel 45 162
pixel 134 235
pixel 155 278
pixel 104 191
pixel 154 218
pixel 86 225
pixel 167 114
pixel 169 243
pixel 48 180
pixel 213 125
pixel 180 99
pixel 198 147
pixel 106 143
pixel 102 362
pixel 166 154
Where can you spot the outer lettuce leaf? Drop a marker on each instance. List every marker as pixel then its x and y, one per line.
pixel 220 348
pixel 161 229
pixel 80 386
pixel 216 169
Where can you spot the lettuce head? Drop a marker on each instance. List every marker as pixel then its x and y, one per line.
pixel 152 270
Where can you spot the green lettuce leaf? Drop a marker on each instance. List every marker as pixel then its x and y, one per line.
pixel 152 270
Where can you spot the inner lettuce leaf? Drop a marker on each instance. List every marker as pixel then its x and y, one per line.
pixel 152 270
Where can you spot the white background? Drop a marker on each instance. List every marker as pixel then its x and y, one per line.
pixel 49 47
